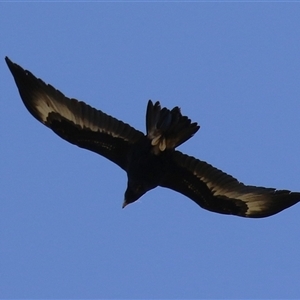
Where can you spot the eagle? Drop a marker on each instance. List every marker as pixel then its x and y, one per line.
pixel 150 159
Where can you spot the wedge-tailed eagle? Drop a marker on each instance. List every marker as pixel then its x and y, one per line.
pixel 149 160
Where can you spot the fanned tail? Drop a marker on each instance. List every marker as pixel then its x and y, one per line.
pixel 167 129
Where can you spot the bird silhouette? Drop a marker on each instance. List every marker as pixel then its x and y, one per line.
pixel 150 159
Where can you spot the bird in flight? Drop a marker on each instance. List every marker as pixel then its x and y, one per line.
pixel 150 159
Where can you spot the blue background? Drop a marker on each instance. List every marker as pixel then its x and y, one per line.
pixel 232 67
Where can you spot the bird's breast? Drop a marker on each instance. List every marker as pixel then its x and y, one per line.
pixel 145 165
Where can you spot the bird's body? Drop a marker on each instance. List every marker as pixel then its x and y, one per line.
pixel 149 160
pixel 140 159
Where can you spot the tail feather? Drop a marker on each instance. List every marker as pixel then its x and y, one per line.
pixel 167 129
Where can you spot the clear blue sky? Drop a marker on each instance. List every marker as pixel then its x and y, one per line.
pixel 232 67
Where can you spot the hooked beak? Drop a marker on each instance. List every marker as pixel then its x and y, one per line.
pixel 125 204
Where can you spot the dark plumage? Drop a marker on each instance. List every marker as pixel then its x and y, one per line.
pixel 149 160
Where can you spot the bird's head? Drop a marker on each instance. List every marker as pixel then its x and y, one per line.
pixel 133 193
pixel 135 190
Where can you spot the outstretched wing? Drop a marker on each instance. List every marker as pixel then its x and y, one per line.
pixel 219 192
pixel 73 120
